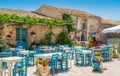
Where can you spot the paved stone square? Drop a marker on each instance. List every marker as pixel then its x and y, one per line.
pixel 113 69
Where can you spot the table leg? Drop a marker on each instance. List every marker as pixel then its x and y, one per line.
pixel 9 69
pixel 84 59
pixel 70 59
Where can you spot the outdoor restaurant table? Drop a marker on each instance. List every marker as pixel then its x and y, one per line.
pixel 10 61
pixel 47 55
pixel 12 49
pixel 84 54
pixel 66 48
pixel 24 52
pixel 98 51
pixel 78 47
pixel 48 49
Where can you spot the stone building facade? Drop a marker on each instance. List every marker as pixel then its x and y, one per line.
pixel 10 32
pixel 85 24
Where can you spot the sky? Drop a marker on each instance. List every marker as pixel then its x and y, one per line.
pixel 108 9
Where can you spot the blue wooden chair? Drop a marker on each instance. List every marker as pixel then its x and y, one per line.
pixel 79 57
pixel 60 49
pixel 20 69
pixel 64 61
pixel 89 57
pixel 15 52
pixel 66 45
pixel 31 57
pixel 73 51
pixel 106 54
pixel 84 47
pixel 54 62
pixel 2 55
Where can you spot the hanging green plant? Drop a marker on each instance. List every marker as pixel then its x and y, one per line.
pixel 31 20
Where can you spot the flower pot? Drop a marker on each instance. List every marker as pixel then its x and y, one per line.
pixel 45 71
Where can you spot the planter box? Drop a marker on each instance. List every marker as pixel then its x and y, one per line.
pixel 43 71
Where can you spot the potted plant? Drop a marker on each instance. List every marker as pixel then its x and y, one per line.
pixel 42 67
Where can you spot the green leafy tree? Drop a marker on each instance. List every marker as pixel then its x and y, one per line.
pixel 68 19
pixel 62 38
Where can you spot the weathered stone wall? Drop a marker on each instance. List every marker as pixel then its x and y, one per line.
pixel 49 11
pixel 93 25
pixel 40 31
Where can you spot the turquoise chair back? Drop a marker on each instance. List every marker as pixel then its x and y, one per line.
pixel 31 57
pixel 3 54
pixel 106 54
pixel 64 61
pixel 79 57
pixel 54 62
pixel 20 68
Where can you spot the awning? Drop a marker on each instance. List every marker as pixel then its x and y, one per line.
pixel 115 29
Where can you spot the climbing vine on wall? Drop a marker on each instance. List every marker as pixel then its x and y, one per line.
pixel 4 18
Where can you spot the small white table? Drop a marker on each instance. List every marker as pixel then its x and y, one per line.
pixel 10 61
pixel 84 53
pixel 66 48
pixel 78 47
pixel 24 52
pixel 47 49
pixel 12 49
pixel 48 55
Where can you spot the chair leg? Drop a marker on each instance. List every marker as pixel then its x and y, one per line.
pixel 61 66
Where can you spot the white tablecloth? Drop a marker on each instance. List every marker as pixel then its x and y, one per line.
pixel 48 55
pixel 84 53
pixel 48 49
pixel 24 52
pixel 78 47
pixel 10 61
